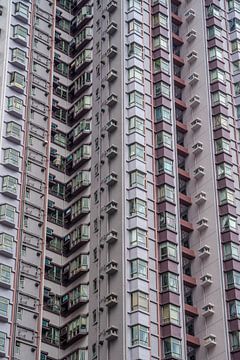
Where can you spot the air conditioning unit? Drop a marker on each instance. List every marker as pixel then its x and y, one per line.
pixel 208 310
pixel 196 124
pixel 193 79
pixel 200 198
pixel 204 251
pixel 190 15
pixel 206 280
pixel 199 172
pixel 192 56
pixel 197 148
pixel 194 101
pixel 202 224
pixel 209 341
pixel 191 35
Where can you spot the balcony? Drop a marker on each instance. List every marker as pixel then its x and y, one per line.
pixel 111 207
pixel 111 125
pixel 192 56
pixel 111 179
pixel 111 333
pixel 209 341
pixel 196 124
pixel 206 280
pixel 200 198
pixel 111 268
pixel 112 28
pixel 189 15
pixel 191 35
pixel 111 237
pixel 208 310
pixel 204 252
pixel 111 300
pixel 194 101
pixel 112 100
pixel 199 172
pixel 202 224
pixel 111 152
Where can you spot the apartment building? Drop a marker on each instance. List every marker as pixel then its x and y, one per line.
pixel 119 189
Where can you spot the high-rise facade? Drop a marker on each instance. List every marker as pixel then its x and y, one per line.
pixel 120 179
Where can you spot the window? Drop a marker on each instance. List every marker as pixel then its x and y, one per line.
pixel 138 237
pixel 234 309
pixel 213 10
pixel 19 56
pixel 237 88
pixel 164 165
pixel 94 316
pixel 231 251
pixel 134 5
pixel 95 285
pixel 6 243
pixel 160 42
pixel 235 340
pixel 5 274
pixel 13 130
pixel 7 213
pixel 172 348
pixel 20 33
pixel 22 10
pixel 137 207
pixel 170 314
pixel 139 335
pixel 168 250
pixel 139 301
pixel 222 145
pixel 219 98
pixel 138 269
pixel 2 342
pixel 215 53
pixel 137 178
pixel 161 65
pixel 135 26
pixel 228 223
pixel 235 45
pixel 217 75
pixel 4 303
pixel 162 113
pixel 169 282
pixel 226 196
pixel 167 221
pixel 236 66
pixel 136 151
pixel 136 124
pixel 94 350
pixel 163 139
pixel 233 279
pixel 224 170
pixel 161 89
pixel 220 121
pixel 134 73
pixel 160 20
pixel 214 31
pixel 9 184
pixel 234 24
pixel 15 104
pixel 17 80
pixel 135 49
pixel 165 193
pixel 233 5
pixel 135 98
